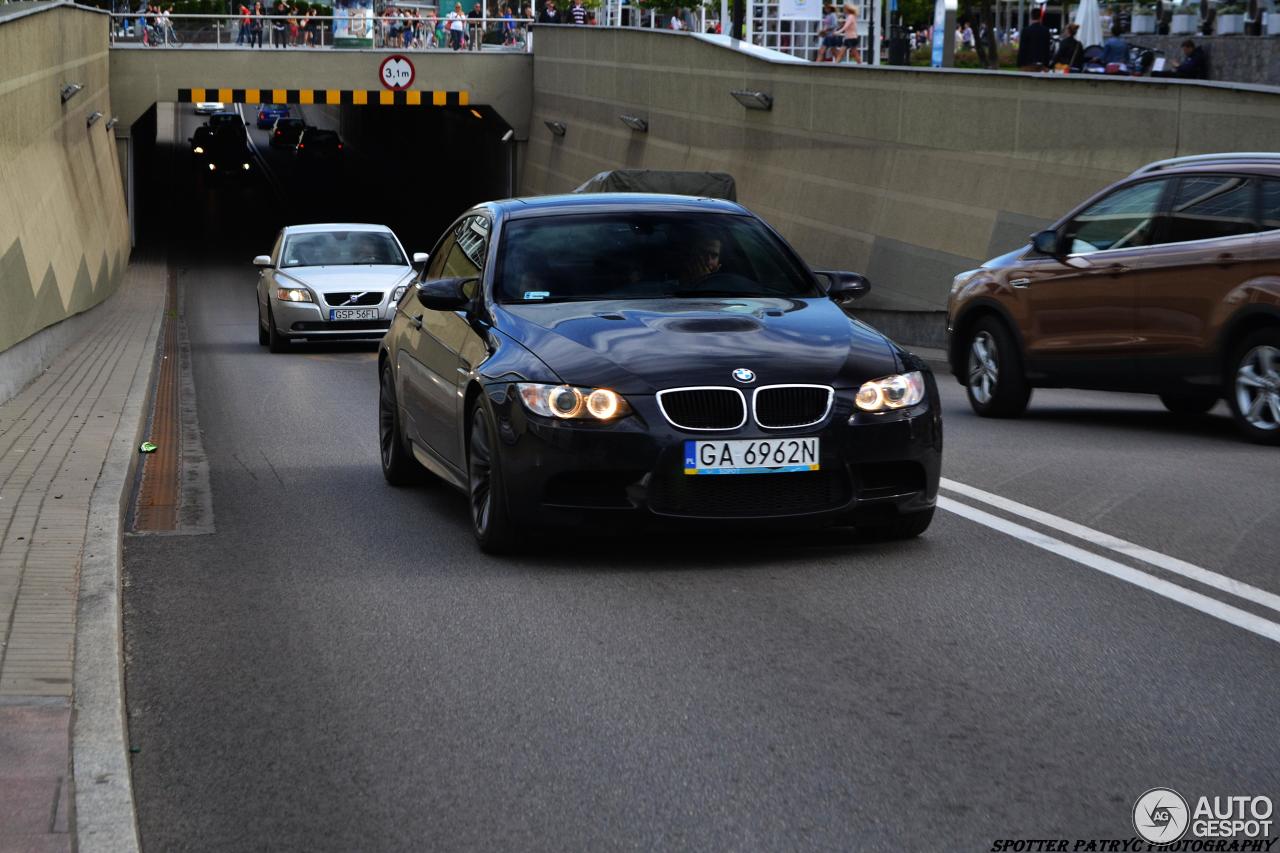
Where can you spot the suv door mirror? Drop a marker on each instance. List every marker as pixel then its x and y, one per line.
pixel 1047 243
pixel 420 258
pixel 843 286
pixel 443 294
pixel 262 261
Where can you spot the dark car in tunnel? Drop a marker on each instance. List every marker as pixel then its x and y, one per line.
pixel 317 146
pixel 587 361
pixel 285 132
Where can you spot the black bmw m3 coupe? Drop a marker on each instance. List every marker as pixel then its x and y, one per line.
pixel 594 361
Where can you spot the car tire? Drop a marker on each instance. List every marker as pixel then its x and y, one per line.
pixel 276 342
pixel 1183 403
pixel 486 490
pixel 906 526
pixel 263 337
pixel 994 380
pixel 399 466
pixel 1253 386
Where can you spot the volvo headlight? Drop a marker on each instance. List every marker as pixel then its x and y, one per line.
pixel 891 392
pixel 567 402
pixel 397 293
pixel 198 150
pixel 293 294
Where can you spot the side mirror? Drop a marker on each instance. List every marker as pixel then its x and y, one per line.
pixel 1047 243
pixel 443 294
pixel 843 286
pixel 419 258
pixel 262 261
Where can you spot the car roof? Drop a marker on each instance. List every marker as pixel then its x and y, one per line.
pixel 1260 162
pixel 550 204
pixel 319 227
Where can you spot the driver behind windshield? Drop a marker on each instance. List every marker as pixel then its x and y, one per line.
pixel 700 258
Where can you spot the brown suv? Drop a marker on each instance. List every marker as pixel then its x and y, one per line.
pixel 1167 282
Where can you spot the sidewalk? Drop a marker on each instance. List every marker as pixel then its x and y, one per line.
pixel 67 443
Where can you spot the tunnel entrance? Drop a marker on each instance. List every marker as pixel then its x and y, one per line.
pixel 412 168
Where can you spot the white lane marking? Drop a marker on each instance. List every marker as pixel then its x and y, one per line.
pixel 1129 549
pixel 1196 601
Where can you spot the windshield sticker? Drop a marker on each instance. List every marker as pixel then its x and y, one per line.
pixel 537 294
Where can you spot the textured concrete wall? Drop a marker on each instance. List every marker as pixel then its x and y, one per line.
pixel 908 175
pixel 141 77
pixel 64 234
pixel 1234 58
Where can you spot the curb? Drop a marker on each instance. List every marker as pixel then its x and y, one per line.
pixel 104 814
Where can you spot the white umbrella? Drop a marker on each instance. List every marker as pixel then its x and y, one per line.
pixel 1090 21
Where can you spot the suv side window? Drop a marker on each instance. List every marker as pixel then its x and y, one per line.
pixel 1270 213
pixel 1206 207
pixel 1126 218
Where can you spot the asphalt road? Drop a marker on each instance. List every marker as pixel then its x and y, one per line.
pixel 339 668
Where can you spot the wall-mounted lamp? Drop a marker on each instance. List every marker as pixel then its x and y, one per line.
pixel 69 90
pixel 635 122
pixel 93 118
pixel 113 122
pixel 556 127
pixel 753 100
pixel 508 136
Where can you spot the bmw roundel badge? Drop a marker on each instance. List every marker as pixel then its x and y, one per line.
pixel 744 375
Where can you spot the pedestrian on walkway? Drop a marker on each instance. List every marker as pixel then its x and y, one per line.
pixel 457 26
pixel 849 36
pixel 243 31
pixel 549 14
pixel 828 40
pixel 278 26
pixel 255 28
pixel 577 13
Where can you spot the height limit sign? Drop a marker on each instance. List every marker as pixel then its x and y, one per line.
pixel 396 72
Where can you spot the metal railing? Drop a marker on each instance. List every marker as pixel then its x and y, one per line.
pixel 267 32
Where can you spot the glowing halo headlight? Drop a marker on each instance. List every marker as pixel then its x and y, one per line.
pixel 566 402
pixel 293 294
pixel 891 392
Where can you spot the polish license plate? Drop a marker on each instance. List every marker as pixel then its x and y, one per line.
pixel 751 456
pixel 353 313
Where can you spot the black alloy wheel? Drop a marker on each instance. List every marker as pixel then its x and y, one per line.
pixel 994 381
pixel 490 521
pixel 399 467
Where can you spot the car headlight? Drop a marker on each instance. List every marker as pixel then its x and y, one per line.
pixel 891 392
pixel 293 294
pixel 397 293
pixel 198 149
pixel 567 402
pixel 213 167
pixel 244 166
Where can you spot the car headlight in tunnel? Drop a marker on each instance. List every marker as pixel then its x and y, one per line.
pixel 213 167
pixel 293 294
pixel 244 166
pixel 891 392
pixel 198 150
pixel 569 403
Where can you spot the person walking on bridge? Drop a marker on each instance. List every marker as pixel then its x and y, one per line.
pixel 255 28
pixel 278 26
pixel 457 26
pixel 848 33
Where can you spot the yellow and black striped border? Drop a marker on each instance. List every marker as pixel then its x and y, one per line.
pixel 334 97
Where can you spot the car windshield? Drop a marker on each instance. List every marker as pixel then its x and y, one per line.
pixel 341 248
pixel 645 255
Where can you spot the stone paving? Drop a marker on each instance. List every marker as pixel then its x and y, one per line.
pixel 54 437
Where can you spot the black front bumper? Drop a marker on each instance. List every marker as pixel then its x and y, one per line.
pixel 872 467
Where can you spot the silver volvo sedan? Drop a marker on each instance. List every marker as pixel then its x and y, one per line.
pixel 334 281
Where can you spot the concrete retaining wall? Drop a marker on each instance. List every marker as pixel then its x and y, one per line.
pixel 64 236
pixel 1234 58
pixel 908 175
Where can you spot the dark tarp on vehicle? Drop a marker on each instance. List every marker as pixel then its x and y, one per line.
pixel 705 184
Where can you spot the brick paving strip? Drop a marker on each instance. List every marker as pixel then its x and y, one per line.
pixel 68 444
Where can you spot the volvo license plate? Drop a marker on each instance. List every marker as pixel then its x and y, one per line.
pixel 751 456
pixel 353 313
